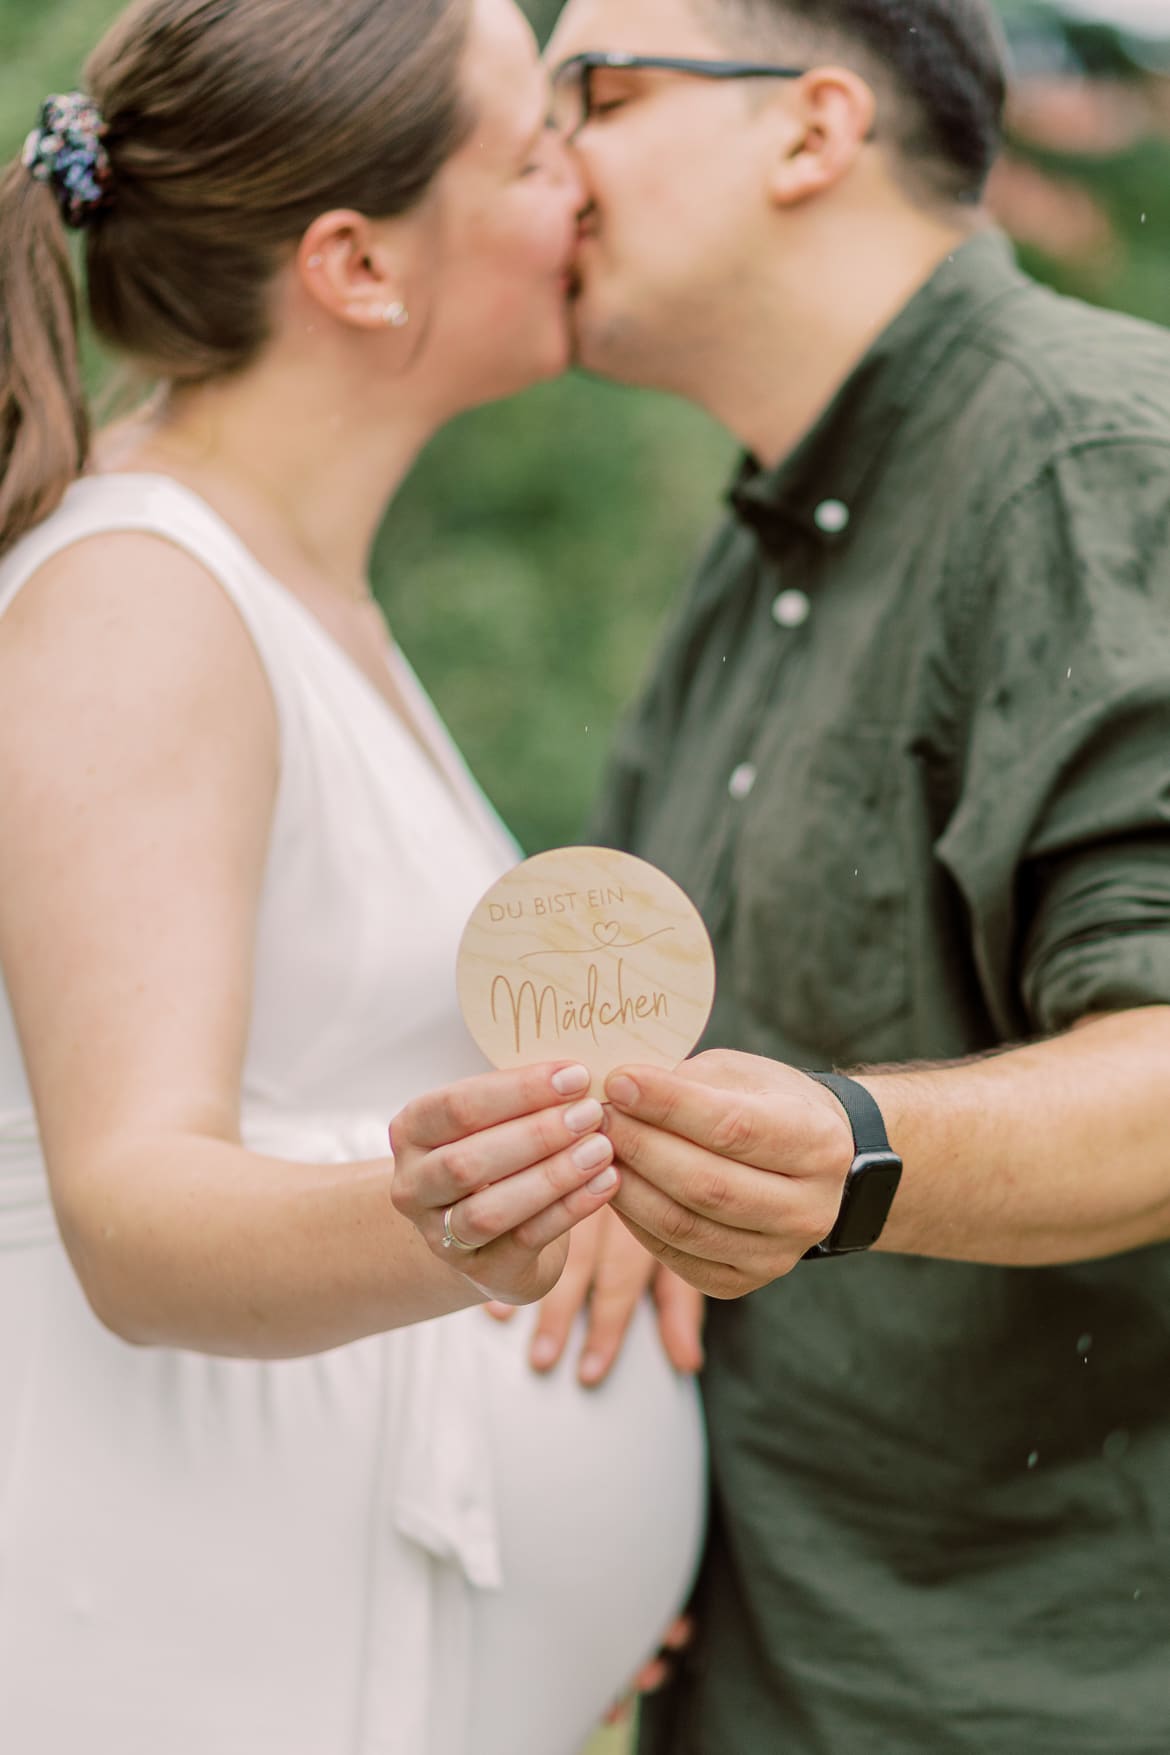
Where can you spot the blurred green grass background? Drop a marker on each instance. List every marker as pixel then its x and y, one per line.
pixel 613 1742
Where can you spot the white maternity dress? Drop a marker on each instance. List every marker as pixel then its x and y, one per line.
pixel 411 1545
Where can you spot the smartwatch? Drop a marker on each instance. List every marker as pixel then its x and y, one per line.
pixel 873 1176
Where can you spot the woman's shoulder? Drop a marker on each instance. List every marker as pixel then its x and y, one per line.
pixel 127 603
pixel 146 553
pixel 154 508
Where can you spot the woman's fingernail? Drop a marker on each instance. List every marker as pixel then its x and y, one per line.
pixel 592 1367
pixel 570 1080
pixel 544 1352
pixel 603 1183
pixel 584 1117
pixel 592 1152
pixel 622 1091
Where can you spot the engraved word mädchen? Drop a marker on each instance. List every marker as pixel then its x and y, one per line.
pixel 538 1014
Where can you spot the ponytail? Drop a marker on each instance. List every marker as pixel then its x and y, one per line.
pixel 181 165
pixel 44 421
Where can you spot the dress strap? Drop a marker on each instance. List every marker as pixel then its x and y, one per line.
pixel 157 505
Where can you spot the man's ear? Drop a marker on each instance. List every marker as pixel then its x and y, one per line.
pixel 829 118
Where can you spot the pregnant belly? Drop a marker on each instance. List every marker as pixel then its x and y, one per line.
pixel 602 1506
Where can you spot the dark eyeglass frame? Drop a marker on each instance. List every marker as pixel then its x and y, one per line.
pixel 582 67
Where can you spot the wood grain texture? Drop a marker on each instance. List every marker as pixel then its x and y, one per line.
pixel 589 955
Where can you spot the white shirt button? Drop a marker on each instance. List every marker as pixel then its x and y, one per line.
pixel 791 609
pixel 742 781
pixel 832 516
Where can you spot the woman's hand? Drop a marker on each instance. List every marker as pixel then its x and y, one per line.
pixel 607 1275
pixel 495 1172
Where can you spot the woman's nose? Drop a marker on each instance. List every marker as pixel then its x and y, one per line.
pixel 567 169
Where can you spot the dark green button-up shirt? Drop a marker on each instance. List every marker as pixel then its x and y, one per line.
pixel 907 745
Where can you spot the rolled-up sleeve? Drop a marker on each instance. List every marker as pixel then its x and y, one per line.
pixel 1100 939
pixel 1060 842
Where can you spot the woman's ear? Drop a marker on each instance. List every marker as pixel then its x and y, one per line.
pixel 829 117
pixel 347 267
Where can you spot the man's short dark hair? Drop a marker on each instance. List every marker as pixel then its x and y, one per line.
pixel 939 68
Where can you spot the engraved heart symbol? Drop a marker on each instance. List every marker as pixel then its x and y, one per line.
pixel 607 932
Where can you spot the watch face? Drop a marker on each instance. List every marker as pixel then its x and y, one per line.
pixel 873 1183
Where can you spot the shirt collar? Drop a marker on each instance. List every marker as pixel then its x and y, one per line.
pixel 822 484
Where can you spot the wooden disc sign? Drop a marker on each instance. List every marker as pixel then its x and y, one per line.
pixel 588 955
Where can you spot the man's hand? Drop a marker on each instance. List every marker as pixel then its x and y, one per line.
pixel 732 1167
pixel 657 1672
pixel 607 1274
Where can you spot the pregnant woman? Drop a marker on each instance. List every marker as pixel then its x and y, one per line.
pixel 270 1482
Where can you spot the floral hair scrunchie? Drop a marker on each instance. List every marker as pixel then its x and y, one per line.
pixel 66 151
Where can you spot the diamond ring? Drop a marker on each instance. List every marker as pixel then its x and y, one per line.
pixel 450 1241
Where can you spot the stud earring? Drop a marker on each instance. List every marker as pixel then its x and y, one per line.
pixel 315 261
pixel 396 315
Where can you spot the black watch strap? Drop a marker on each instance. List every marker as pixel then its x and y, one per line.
pixel 873 1177
pixel 865 1118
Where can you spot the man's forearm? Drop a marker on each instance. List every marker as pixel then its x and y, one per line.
pixel 1055 1152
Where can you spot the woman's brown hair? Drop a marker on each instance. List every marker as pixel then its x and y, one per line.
pixel 229 126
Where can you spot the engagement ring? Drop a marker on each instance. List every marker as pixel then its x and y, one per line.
pixel 450 1241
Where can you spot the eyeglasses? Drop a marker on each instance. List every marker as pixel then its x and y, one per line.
pixel 573 102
